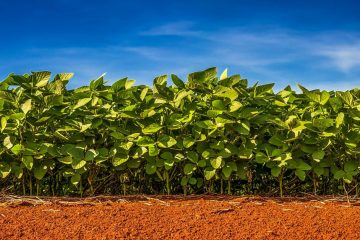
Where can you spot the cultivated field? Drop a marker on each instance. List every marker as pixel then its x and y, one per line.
pixel 175 217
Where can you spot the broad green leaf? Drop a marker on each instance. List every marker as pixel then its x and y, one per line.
pixel 188 142
pixel 318 155
pixel 3 123
pixel 152 128
pixel 16 149
pixel 301 165
pixel 78 163
pixel 234 106
pixel 224 74
pixel 339 119
pixel 300 174
pixel 339 174
pixel 209 173
pixel 40 171
pixel 82 102
pixel 8 142
pixel 351 166
pixel 166 141
pixel 150 168
pixel 227 170
pixel 226 92
pixel 346 97
pixel 65 160
pixel 177 81
pixel 75 179
pixel 193 156
pixel 26 106
pixel 118 160
pixel 28 161
pixel 5 170
pixel 216 162
pixel 189 168
pixel 145 141
pixel 275 171
pixel 153 150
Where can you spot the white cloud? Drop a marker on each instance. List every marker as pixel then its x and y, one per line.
pixel 182 28
pixel 344 57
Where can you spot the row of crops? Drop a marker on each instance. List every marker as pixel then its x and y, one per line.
pixel 206 134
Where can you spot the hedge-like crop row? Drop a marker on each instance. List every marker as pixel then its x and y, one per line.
pixel 191 136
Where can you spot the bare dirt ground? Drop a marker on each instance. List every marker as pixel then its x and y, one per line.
pixel 176 217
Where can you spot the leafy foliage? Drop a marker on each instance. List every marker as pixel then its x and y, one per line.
pixel 192 135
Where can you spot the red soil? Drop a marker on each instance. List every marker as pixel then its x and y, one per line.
pixel 197 217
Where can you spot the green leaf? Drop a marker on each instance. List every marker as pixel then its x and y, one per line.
pixel 152 128
pixel 189 168
pixel 339 119
pixel 184 181
pixel 301 165
pixel 346 97
pixel 5 170
pixel 351 166
pixel 209 173
pixel 28 161
pixel 41 78
pixel 145 141
pixel 226 92
pixel 188 142
pixel 40 171
pixel 16 149
pixel 8 142
pixel 227 170
pixel 150 168
pixel 193 156
pixel 65 160
pixel 234 106
pixel 216 162
pixel 82 102
pixel 78 163
pixel 243 127
pixel 153 150
pixel 3 123
pixel 300 174
pixel 177 81
pixel 323 124
pixel 201 163
pixel 26 106
pixel 207 124
pixel 219 104
pixel 166 141
pixel 319 170
pixel 91 154
pixel 120 160
pixel 75 179
pixel 192 181
pixel 318 155
pixel 224 74
pixel 259 90
pixel 339 174
pixel 275 171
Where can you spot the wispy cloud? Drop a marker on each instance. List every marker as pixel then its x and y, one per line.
pixel 344 57
pixel 182 28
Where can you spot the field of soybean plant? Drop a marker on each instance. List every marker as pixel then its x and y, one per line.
pixel 202 156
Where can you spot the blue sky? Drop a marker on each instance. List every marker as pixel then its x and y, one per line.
pixel 315 43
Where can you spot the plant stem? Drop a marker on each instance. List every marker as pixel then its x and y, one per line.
pixel 221 186
pixel 281 184
pixel 37 187
pixel 167 182
pixel 229 187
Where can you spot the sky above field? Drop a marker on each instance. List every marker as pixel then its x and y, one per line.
pixel 315 43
